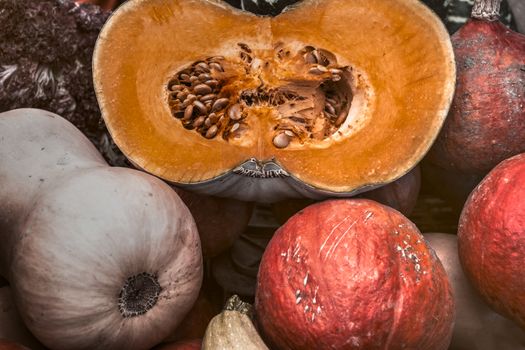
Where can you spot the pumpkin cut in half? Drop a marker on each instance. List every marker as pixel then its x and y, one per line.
pixel 328 98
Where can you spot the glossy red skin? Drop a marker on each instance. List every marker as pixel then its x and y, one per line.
pixel 219 220
pixel 491 239
pixel 486 122
pixel 372 283
pixel 194 344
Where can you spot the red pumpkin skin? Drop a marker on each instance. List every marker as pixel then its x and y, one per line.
pixel 219 220
pixel 352 274
pixel 491 238
pixel 486 122
pixel 194 344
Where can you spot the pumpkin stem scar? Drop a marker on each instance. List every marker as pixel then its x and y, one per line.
pixel 138 295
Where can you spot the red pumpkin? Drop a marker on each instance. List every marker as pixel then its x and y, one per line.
pixel 401 195
pixel 491 238
pixel 196 321
pixel 486 122
pixel 219 220
pixel 352 274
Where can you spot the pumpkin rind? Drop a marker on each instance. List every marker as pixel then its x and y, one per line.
pixel 486 123
pixel 406 69
pixel 352 274
pixel 491 238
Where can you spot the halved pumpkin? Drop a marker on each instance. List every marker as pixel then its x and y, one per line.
pixel 329 98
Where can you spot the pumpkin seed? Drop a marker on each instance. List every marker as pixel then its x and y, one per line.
pixel 235 127
pixel 244 47
pixel 200 106
pixel 219 104
pixel 202 89
pixel 234 112
pixel 203 65
pixel 204 76
pixel 281 140
pixel 212 131
pixel 207 97
pixel 181 96
pixel 318 70
pixel 213 117
pixel 340 119
pixel 199 121
pixel 216 66
pixel 309 57
pixel 188 112
pixel 329 108
pixel 176 87
pixel 212 83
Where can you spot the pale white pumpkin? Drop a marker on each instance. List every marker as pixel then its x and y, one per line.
pixel 98 257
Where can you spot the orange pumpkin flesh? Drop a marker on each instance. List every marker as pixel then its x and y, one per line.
pixel 390 68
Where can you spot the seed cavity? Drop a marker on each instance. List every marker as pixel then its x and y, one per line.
pixel 218 96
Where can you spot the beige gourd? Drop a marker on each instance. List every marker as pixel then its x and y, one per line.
pixel 97 257
pixel 233 329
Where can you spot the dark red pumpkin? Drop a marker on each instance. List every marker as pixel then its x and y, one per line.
pixel 491 238
pixel 219 220
pixel 486 122
pixel 352 274
pixel 401 195
pixel 194 325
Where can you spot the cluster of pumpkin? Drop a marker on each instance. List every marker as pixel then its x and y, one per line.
pixel 101 257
